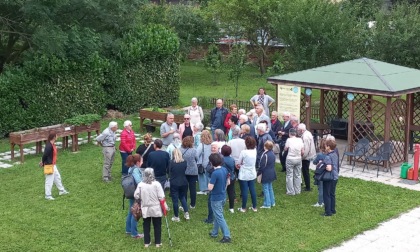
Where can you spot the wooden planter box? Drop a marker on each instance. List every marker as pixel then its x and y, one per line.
pixel 38 135
pixel 155 115
pixel 95 126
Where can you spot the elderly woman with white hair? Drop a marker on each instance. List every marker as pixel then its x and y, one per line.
pixel 198 128
pixel 107 140
pixel 153 206
pixel 195 111
pixel 127 144
pixel 176 144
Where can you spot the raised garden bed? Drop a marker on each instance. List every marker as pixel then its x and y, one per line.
pixel 159 115
pixel 38 135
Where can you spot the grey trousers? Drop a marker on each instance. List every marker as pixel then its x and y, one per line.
pixel 293 176
pixel 109 155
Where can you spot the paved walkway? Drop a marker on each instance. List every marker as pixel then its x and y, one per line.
pixel 5 157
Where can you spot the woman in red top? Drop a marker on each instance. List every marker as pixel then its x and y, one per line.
pixel 50 157
pixel 233 112
pixel 127 144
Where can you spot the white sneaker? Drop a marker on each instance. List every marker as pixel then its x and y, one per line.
pixel 201 192
pixel 318 205
pixel 187 216
pixel 181 209
pixel 231 210
pixel 49 198
pixel 175 219
pixel 265 207
pixel 63 192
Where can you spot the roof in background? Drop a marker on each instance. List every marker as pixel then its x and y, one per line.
pixel 359 76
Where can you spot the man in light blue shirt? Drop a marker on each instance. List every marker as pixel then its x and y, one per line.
pixel 107 140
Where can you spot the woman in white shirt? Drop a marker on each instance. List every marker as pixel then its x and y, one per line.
pixel 195 112
pixel 247 173
pixel 262 98
pixel 294 146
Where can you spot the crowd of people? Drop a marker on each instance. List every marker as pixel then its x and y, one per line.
pixel 238 148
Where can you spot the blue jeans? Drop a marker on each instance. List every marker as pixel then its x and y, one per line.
pixel 329 196
pixel 245 185
pixel 210 216
pixel 320 192
pixel 220 221
pixel 203 181
pixel 130 222
pixel 124 169
pixel 268 194
pixel 179 193
pixel 192 181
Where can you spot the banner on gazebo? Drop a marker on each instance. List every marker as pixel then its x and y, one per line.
pixel 288 99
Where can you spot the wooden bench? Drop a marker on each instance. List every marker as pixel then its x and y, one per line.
pixel 155 115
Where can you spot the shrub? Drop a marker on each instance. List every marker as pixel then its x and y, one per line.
pixel 47 90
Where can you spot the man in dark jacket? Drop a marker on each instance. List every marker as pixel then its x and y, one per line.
pixel 283 135
pixel 276 125
pixel 217 117
pixel 159 161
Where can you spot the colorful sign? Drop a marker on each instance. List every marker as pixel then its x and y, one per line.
pixel 288 99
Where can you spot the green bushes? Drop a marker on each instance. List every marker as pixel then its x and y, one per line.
pixel 48 90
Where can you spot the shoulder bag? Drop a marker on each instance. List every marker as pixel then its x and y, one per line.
pixel 136 210
pixel 48 169
pixel 200 166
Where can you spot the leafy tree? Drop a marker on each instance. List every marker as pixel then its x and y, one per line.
pixel 316 33
pixel 66 28
pixel 237 61
pixel 213 61
pixel 396 35
pixel 363 9
pixel 250 19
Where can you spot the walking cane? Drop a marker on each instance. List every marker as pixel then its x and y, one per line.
pixel 163 206
pixel 169 233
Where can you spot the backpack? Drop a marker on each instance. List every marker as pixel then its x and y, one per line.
pixel 129 186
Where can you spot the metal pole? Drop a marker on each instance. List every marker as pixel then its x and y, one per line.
pixel 169 233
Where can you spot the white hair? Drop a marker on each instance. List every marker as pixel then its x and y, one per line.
pixel 262 127
pixel 112 124
pixel 241 111
pixel 243 117
pixel 274 112
pixel 199 126
pixel 194 99
pixel 286 113
pixel 302 126
pixel 127 123
pixel 330 137
pixel 294 119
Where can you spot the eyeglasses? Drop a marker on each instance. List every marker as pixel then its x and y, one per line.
pixel 186 118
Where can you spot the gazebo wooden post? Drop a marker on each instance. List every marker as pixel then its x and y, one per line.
pixel 408 121
pixel 387 129
pixel 308 112
pixel 340 97
pixel 321 107
pixel 350 127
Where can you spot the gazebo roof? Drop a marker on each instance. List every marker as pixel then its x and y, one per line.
pixel 362 75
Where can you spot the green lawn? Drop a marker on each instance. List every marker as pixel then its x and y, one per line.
pixel 197 81
pixel 91 218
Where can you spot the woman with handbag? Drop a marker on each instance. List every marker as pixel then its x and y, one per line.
pixel 153 206
pixel 203 153
pixel 145 149
pixel 49 160
pixel 179 184
pixel 329 186
pixel 268 174
pixel 134 162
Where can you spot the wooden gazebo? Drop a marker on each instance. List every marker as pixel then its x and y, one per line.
pixel 369 98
